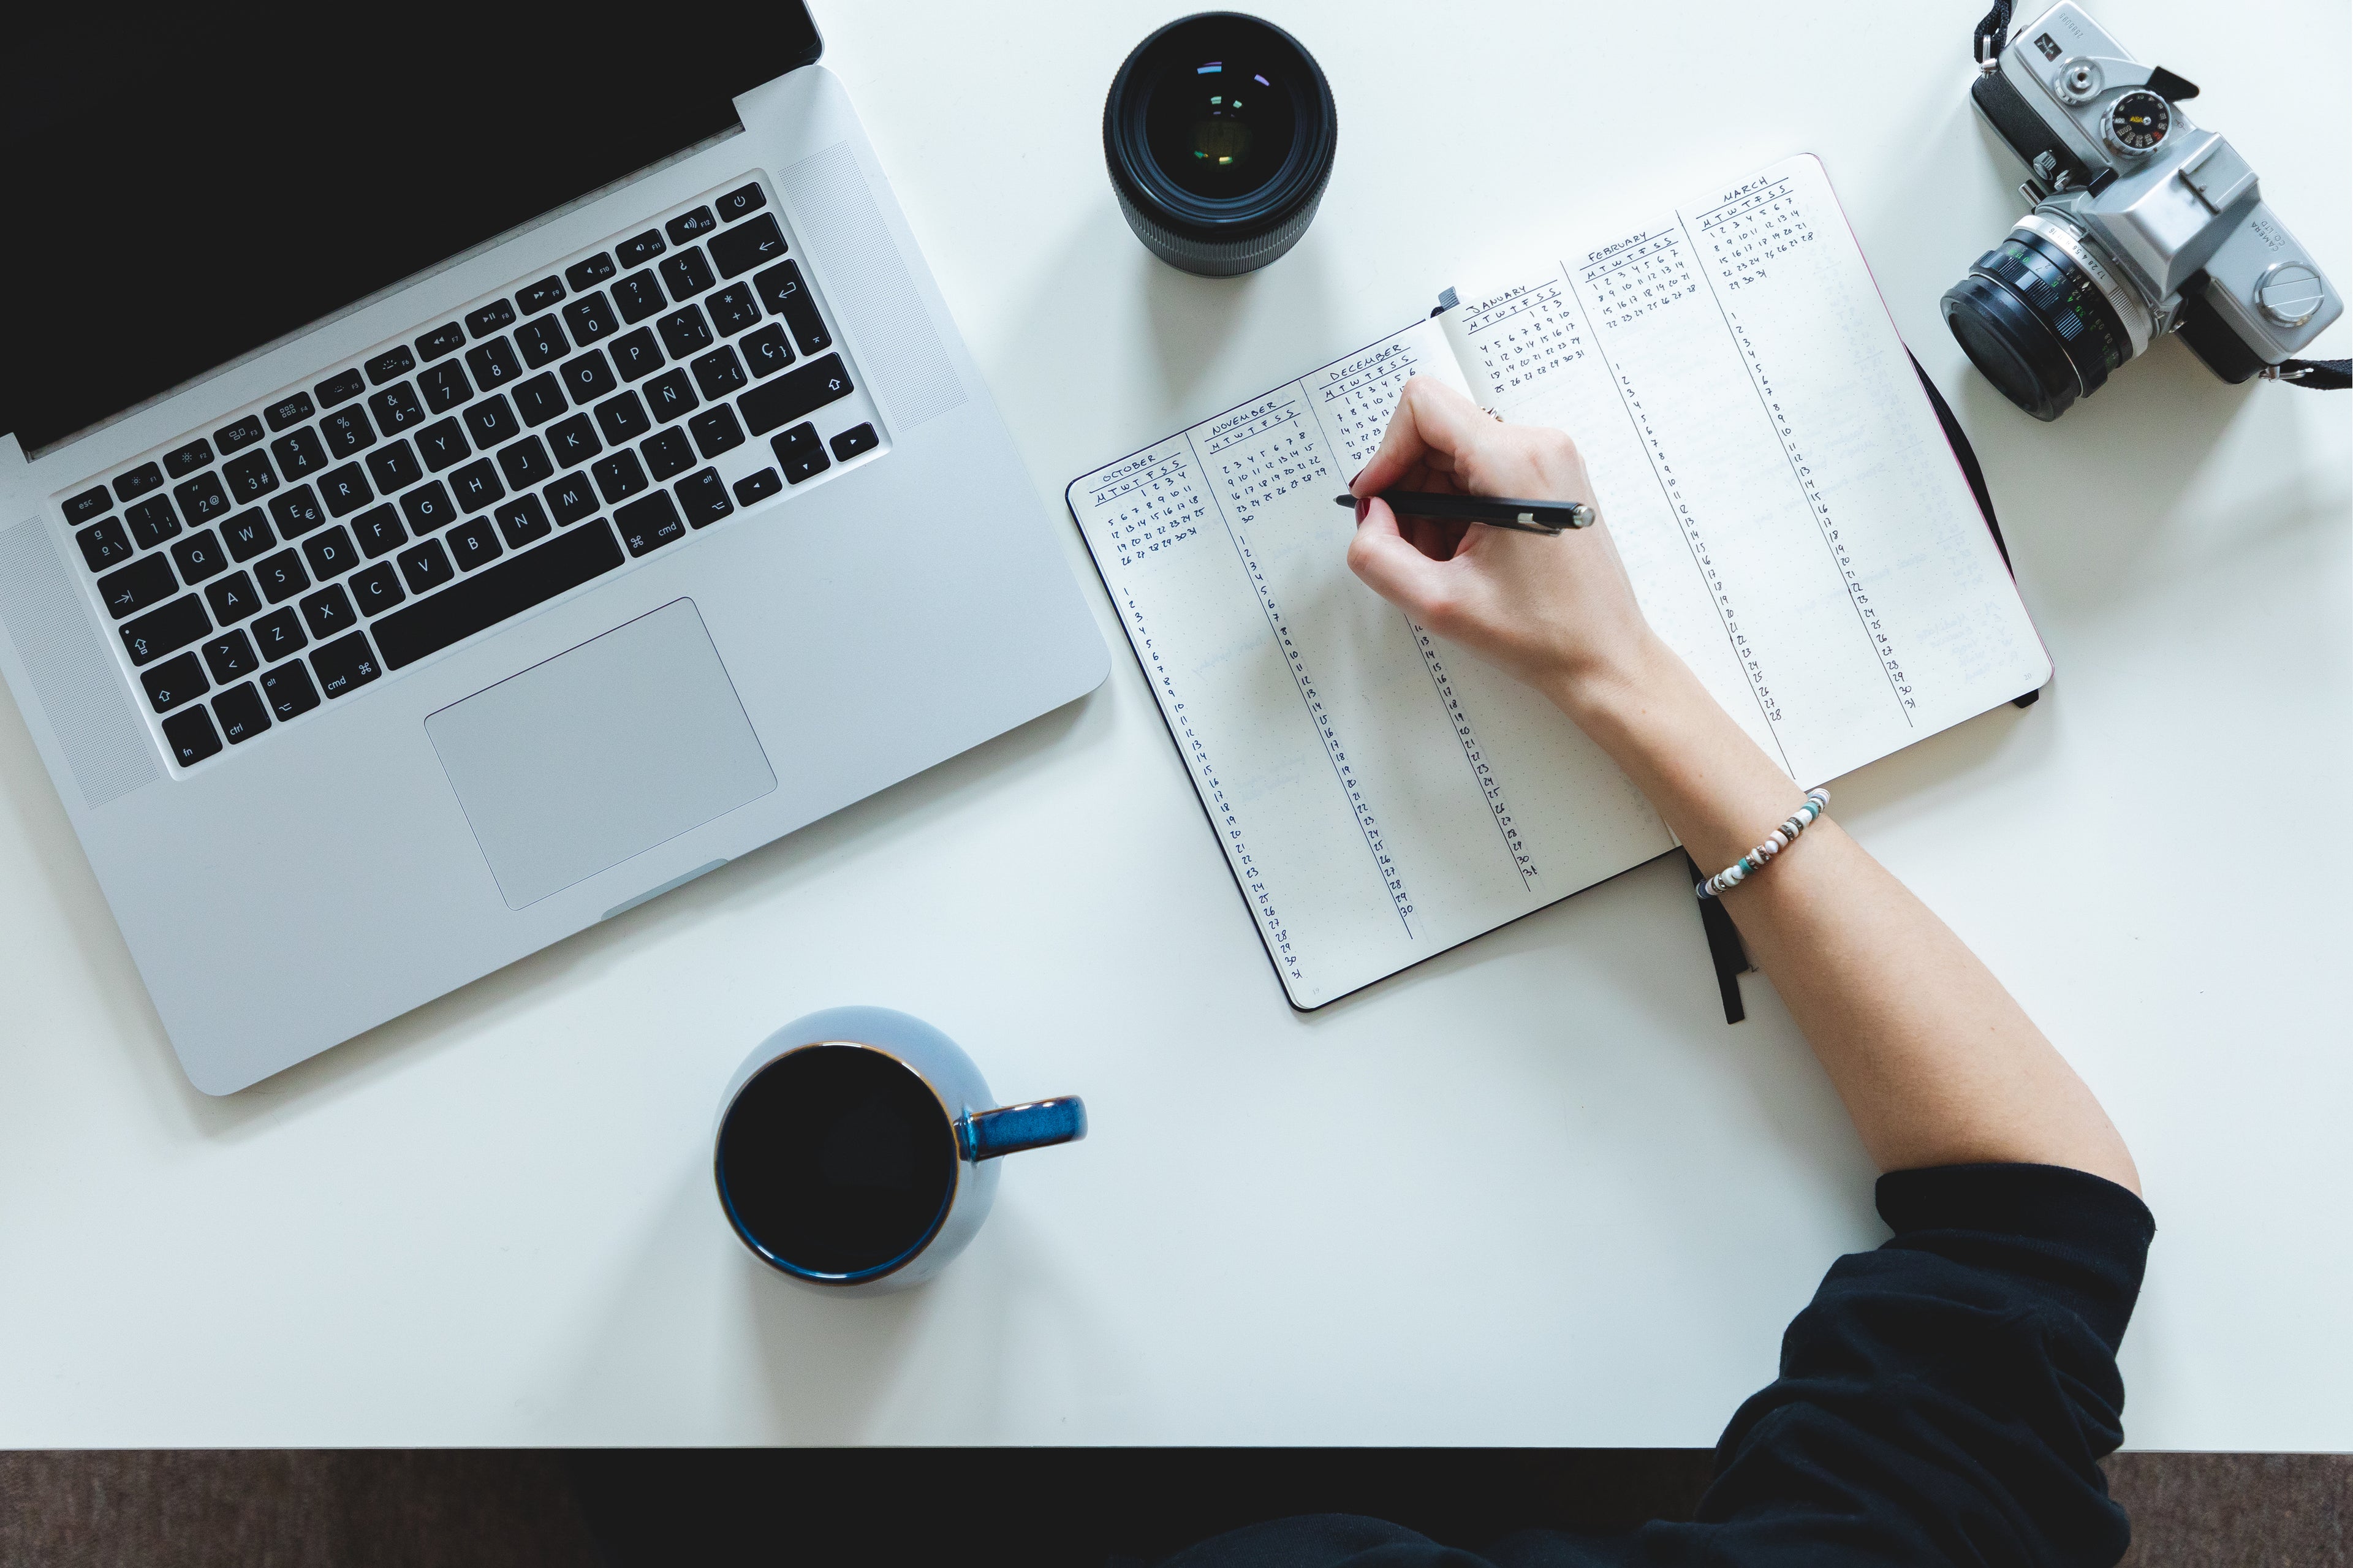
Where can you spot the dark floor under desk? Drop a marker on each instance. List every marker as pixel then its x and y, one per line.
pixel 603 1508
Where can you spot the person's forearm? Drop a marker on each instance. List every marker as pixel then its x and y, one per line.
pixel 1935 1060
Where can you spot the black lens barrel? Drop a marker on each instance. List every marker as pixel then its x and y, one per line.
pixel 2033 321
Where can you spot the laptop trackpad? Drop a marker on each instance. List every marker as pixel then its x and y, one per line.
pixel 601 754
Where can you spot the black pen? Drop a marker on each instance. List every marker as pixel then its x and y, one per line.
pixel 1496 511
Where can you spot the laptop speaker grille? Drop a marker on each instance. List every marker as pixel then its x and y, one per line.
pixel 73 675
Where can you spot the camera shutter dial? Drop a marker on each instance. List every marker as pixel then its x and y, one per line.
pixel 2140 122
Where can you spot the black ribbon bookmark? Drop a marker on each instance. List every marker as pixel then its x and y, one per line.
pixel 1724 949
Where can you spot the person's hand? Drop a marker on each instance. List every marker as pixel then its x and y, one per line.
pixel 1559 613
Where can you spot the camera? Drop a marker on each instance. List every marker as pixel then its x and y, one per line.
pixel 2142 225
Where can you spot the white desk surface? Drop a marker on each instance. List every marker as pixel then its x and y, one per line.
pixel 1534 1192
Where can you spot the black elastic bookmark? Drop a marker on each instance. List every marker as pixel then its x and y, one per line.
pixel 1724 949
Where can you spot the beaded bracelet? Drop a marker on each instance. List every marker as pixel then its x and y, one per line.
pixel 1731 877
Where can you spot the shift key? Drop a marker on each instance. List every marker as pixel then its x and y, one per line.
pixel 794 395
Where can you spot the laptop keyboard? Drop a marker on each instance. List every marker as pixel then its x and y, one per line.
pixel 439 485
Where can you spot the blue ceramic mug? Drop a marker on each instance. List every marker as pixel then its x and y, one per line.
pixel 852 1156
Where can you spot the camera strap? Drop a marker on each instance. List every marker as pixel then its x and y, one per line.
pixel 1993 34
pixel 2319 374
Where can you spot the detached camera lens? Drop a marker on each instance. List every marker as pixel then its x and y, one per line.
pixel 2035 317
pixel 1219 132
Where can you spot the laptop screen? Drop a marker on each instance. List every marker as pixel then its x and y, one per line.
pixel 181 184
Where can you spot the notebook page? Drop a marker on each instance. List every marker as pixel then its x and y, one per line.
pixel 1380 795
pixel 1795 523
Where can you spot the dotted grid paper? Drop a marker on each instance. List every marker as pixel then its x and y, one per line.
pixel 1794 522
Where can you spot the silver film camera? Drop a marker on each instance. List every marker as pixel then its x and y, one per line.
pixel 2142 225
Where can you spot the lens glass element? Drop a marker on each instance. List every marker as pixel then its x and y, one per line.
pixel 1220 129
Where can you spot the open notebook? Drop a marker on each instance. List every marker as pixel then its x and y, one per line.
pixel 1795 522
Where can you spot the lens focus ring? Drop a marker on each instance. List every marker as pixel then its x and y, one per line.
pixel 2037 323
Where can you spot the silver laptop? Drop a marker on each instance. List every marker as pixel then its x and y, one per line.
pixel 462 484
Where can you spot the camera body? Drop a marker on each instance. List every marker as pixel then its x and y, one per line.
pixel 2143 224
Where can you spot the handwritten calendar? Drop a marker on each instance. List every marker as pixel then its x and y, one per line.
pixel 1794 522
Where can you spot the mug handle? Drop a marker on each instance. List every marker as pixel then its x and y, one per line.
pixel 1033 1124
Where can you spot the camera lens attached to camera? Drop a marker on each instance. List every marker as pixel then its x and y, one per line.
pixel 2044 317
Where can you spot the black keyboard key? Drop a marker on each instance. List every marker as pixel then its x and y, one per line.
pixel 477 485
pixel 345 491
pixel 498 313
pixel 619 476
pixel 590 317
pixel 145 581
pixel 795 394
pixel 742 202
pixel 542 342
pixel 622 419
pixel 586 377
pixel 330 554
pixel 589 273
pixel 800 453
pixel 509 588
pixel 733 309
pixel 289 692
pixel 174 681
pixel 138 482
pixel 389 364
pixel 767 350
pixel 649 523
pixel 687 227
pixel 378 532
pixel 719 373
pixel 104 544
pixel 856 439
pixel 299 455
pixel 339 388
pixel 232 599
pixel 539 399
pixel 494 364
pixel 428 509
pixel 347 432
pixel 153 520
pixel 525 463
pixel 782 290
pixel 288 411
pixel 182 461
pixel 637 251
pixel 281 576
pixel 190 735
pixel 687 274
pixel 397 408
pixel 636 354
pixel 243 433
pixel 199 556
pixel 571 498
pixel 89 504
pixel 444 386
pixel 475 543
pixel 425 566
pixel 329 612
pixel 573 440
pixel 241 712
pixel 522 521
pixel 230 658
pixel 345 667
pixel 703 497
pixel 167 630
pixel 394 468
pixel 532 297
pixel 490 422
pixel 443 443
pixel 756 244
pixel 446 339
pixel 297 512
pixel 672 396
pixel 667 454
pixel 201 498
pixel 377 589
pixel 247 534
pixel 277 633
pixel 716 432
pixel 757 487
pixel 684 333
pixel 639 295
